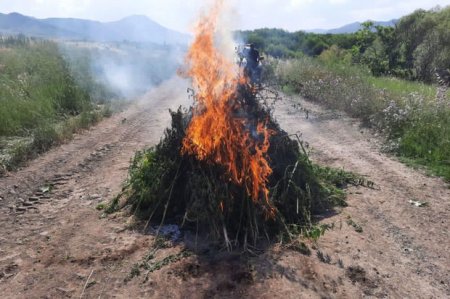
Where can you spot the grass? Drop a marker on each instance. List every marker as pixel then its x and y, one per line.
pixel 36 87
pixel 14 151
pixel 358 228
pixel 43 100
pixel 323 257
pixel 400 87
pixel 150 264
pixel 414 120
pixel 49 90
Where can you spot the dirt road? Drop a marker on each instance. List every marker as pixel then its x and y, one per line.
pixel 57 245
pixel 404 249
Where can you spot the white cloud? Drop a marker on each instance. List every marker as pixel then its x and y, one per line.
pixel 74 6
pixel 180 14
pixel 375 14
pixel 299 3
pixel 338 1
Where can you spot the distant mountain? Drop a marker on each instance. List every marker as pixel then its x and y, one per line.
pixel 133 28
pixel 84 29
pixel 15 23
pixel 352 28
pixel 141 28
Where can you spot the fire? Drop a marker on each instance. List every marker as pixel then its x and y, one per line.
pixel 217 132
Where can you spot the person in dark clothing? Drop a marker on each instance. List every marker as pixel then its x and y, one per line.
pixel 252 67
pixel 252 57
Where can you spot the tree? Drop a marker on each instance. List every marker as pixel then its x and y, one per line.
pixel 364 37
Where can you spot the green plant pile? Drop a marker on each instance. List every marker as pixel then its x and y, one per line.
pixel 166 186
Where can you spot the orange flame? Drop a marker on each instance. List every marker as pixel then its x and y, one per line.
pixel 215 134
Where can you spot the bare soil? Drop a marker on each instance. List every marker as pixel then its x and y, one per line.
pixel 56 244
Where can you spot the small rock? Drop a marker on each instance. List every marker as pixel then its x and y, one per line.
pixel 33 198
pixel 20 209
pixel 27 204
pixel 95 196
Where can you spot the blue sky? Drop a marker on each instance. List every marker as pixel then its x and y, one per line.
pixel 248 14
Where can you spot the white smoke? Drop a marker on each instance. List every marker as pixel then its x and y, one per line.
pixel 228 19
pixel 126 70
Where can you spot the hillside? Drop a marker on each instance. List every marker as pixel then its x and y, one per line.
pixel 133 28
pixel 15 23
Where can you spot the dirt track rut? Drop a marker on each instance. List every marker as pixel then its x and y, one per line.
pixel 55 244
pixel 406 248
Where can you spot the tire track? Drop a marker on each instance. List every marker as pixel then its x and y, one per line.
pixel 410 245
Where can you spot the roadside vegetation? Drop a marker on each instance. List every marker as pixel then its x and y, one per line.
pixel 392 78
pixel 42 101
pixel 50 90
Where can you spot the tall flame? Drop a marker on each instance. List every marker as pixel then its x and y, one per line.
pixel 216 133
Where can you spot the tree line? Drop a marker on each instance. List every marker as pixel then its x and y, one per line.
pixel 414 49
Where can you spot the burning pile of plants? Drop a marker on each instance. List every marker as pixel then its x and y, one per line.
pixel 225 168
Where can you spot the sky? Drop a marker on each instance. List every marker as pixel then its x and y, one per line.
pixel 180 15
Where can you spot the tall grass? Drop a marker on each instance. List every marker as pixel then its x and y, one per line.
pixel 38 98
pixel 415 122
pixel 36 87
